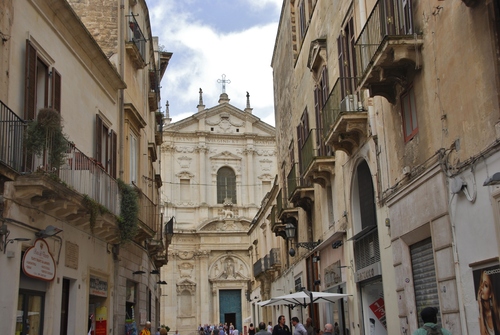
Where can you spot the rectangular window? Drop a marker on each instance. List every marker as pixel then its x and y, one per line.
pixel 302 20
pixel 409 112
pixel 133 158
pixel 40 90
pixel 106 151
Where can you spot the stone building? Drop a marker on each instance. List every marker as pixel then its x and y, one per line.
pixel 389 179
pixel 70 250
pixel 217 165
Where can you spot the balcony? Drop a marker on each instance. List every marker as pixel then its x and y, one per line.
pixel 154 91
pixel 344 119
pixel 148 223
pixel 300 191
pixel 259 267
pixel 318 162
pixel 136 43
pixel 277 227
pixel 388 49
pixel 61 191
pixel 274 258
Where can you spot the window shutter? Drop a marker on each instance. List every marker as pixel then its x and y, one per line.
pixel 56 90
pixel 98 138
pixel 324 87
pixel 114 154
pixel 30 82
pixel 342 63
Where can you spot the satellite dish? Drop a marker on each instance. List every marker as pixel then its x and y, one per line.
pixel 456 185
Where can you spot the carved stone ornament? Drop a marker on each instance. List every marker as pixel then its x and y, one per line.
pixel 185 270
pixel 229 268
pixel 186 285
pixel 184 162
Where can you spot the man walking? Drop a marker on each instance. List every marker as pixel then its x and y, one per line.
pixel 299 327
pixel 328 329
pixel 263 329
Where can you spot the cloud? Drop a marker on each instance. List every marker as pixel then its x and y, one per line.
pixel 202 53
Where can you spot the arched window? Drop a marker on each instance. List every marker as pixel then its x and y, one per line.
pixel 226 185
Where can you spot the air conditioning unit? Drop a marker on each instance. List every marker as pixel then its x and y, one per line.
pixel 349 103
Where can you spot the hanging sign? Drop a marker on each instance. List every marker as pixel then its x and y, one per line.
pixel 38 262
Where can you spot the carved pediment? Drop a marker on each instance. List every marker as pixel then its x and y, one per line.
pixel 186 285
pixel 317 54
pixel 226 155
pixel 225 123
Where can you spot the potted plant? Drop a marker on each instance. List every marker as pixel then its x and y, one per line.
pixel 45 135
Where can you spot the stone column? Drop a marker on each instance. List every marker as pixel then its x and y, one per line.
pixel 204 286
pixel 250 175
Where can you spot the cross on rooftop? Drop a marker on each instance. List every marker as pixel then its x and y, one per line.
pixel 224 81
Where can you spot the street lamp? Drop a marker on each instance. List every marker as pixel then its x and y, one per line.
pixel 290 230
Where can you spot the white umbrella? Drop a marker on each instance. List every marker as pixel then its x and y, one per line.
pixel 263 303
pixel 303 298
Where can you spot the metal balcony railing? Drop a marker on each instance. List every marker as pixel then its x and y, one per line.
pixel 279 202
pixel 12 129
pixel 147 212
pixel 258 267
pixel 136 36
pixel 388 18
pixel 309 150
pixel 79 172
pixel 292 181
pixel 343 99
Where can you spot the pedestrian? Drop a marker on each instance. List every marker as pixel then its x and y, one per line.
pixel 336 329
pixel 328 329
pixel 251 329
pixel 430 327
pixel 235 331
pixel 158 331
pixel 299 327
pixel 147 329
pixel 309 327
pixel 281 328
pixel 270 327
pixel 263 329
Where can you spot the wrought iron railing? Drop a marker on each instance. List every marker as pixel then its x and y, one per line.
pixel 292 182
pixel 12 129
pixel 343 98
pixel 79 172
pixel 279 202
pixel 86 176
pixel 309 150
pixel 136 36
pixel 388 18
pixel 147 212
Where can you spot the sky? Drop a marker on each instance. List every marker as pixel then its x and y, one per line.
pixel 212 38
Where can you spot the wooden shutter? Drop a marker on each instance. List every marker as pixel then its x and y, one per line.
pixel 114 154
pixel 324 87
pixel 30 82
pixel 56 90
pixel 342 65
pixel 98 138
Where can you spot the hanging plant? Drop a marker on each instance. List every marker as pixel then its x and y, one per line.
pixel 94 209
pixel 46 134
pixel 129 212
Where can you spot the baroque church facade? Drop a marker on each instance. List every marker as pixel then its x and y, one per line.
pixel 218 164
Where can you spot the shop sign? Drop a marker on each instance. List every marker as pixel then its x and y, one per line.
pixel 368 272
pixel 98 287
pixel 38 262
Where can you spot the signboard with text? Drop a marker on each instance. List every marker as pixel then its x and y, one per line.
pixel 38 262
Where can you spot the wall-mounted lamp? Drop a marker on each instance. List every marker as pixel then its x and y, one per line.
pixel 4 238
pixel 290 234
pixel 162 282
pixel 316 259
pixel 49 231
pixel 155 272
pixel 138 272
pixel 493 180
pixel 317 282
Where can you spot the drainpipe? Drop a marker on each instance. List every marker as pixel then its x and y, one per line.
pixel 121 59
